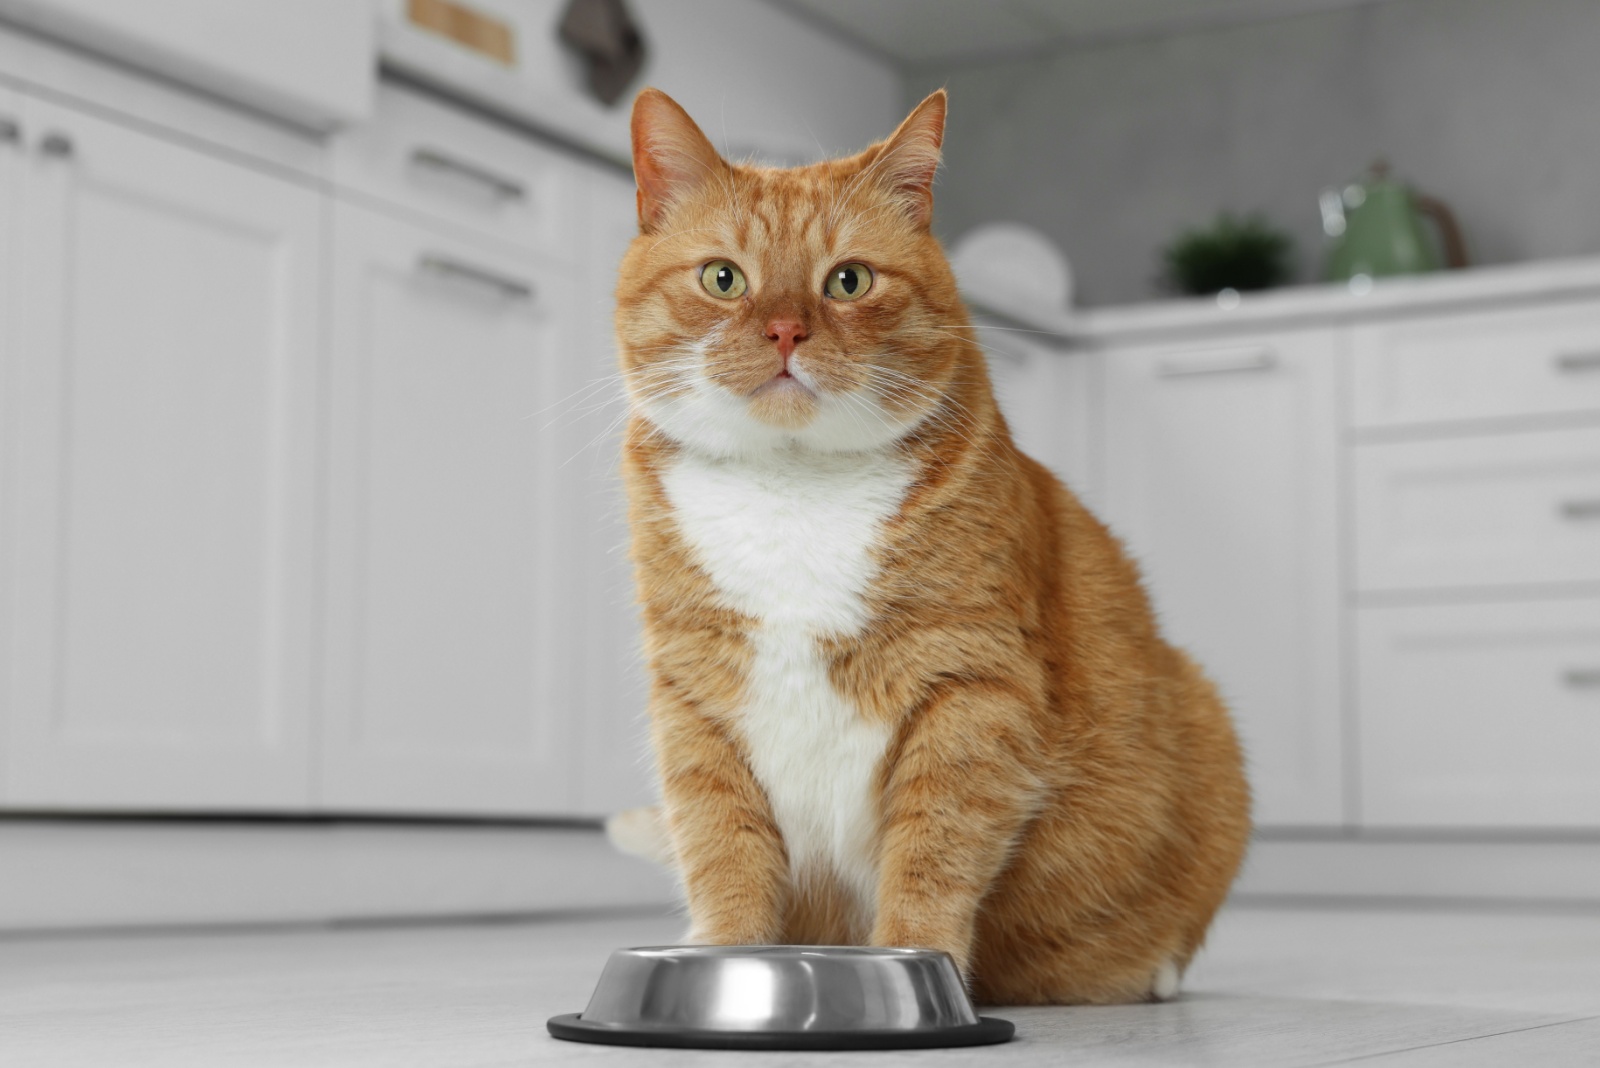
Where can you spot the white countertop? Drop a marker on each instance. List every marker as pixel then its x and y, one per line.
pixel 1308 305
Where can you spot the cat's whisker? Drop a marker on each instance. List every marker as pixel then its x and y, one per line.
pixel 990 349
pixel 627 423
pixel 608 401
pixel 610 429
pixel 578 401
pixel 586 388
pixel 859 408
pixel 943 417
pixel 1061 335
pixel 585 415
pixel 916 388
pixel 890 384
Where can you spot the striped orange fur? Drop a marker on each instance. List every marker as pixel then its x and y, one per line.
pixel 905 690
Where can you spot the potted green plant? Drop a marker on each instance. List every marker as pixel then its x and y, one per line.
pixel 1229 253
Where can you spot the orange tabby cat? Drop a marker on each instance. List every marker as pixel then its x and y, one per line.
pixel 905 691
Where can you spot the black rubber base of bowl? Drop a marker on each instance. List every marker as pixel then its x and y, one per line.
pixel 988 1031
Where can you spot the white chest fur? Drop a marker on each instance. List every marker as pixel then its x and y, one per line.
pixel 789 541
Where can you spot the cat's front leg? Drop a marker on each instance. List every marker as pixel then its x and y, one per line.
pixel 730 853
pixel 955 801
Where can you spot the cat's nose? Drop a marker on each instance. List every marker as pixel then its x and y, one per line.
pixel 787 333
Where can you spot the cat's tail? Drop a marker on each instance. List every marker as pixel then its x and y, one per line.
pixel 641 832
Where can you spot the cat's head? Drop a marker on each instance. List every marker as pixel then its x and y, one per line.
pixel 765 307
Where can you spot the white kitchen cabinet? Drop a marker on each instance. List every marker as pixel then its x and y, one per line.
pixel 10 174
pixel 618 768
pixel 1476 501
pixel 1046 393
pixel 1480 715
pixel 306 61
pixel 11 149
pixel 1505 366
pixel 451 638
pixel 1480 511
pixel 425 158
pixel 1221 465
pixel 11 157
pixel 162 349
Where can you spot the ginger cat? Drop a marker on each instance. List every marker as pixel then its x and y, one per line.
pixel 905 690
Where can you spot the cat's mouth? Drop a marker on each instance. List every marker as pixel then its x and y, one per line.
pixel 784 400
pixel 782 381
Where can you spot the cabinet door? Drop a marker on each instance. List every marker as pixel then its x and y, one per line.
pixel 1046 394
pixel 11 149
pixel 1221 475
pixel 1480 715
pixel 10 172
pixel 165 363
pixel 618 766
pixel 450 628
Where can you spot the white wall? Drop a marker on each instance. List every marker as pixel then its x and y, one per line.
pixel 755 75
pixel 1493 106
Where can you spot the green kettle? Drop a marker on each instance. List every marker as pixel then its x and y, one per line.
pixel 1376 229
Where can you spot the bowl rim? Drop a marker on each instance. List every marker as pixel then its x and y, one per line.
pixel 799 949
pixel 988 1031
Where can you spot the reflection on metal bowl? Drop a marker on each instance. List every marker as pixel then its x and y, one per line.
pixel 780 997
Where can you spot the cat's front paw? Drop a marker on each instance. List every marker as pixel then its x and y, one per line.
pixel 698 935
pixel 908 936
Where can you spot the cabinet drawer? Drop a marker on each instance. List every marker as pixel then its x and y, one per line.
pixel 1480 715
pixel 1468 367
pixel 429 159
pixel 1494 510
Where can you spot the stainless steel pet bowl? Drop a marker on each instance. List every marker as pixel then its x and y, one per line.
pixel 780 997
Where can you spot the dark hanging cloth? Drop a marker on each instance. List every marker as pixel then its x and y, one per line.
pixel 607 39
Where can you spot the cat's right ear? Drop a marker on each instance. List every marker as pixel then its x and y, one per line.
pixel 671 156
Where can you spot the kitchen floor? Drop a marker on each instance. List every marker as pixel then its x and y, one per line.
pixel 1278 986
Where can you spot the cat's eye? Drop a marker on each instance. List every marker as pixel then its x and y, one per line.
pixel 722 279
pixel 849 281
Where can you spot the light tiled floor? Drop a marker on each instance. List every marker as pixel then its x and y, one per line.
pixel 1276 987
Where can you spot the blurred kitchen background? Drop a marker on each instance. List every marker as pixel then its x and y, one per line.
pixel 315 598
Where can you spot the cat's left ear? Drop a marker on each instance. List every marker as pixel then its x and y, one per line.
pixel 671 156
pixel 908 161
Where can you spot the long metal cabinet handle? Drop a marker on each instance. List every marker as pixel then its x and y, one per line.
pixel 509 188
pixel 1584 508
pixel 1218 363
pixel 448 267
pixel 1582 678
pixel 1578 361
